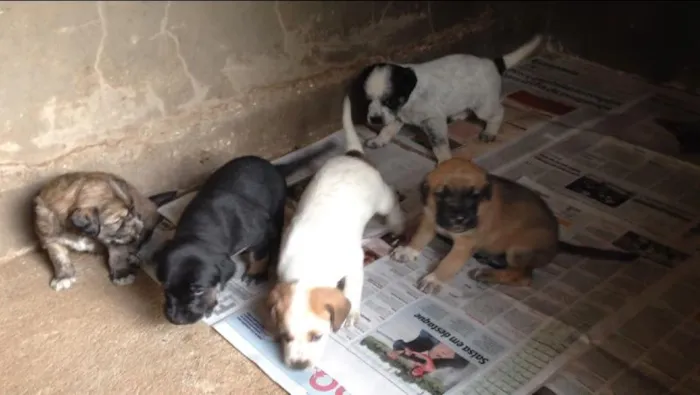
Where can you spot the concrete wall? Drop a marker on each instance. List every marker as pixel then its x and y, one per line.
pixel 162 93
pixel 654 39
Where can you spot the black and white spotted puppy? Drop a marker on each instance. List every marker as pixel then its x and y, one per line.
pixel 429 95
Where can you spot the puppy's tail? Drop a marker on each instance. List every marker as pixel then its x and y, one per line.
pixel 509 60
pixel 596 253
pixel 353 144
pixel 291 167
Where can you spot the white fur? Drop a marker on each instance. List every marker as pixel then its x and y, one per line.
pixel 446 87
pixel 323 243
pixel 59 284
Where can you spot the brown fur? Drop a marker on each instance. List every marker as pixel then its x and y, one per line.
pixel 511 220
pixel 330 303
pixel 88 212
pixel 327 303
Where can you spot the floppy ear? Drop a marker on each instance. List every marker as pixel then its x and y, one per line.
pixel 121 190
pixel 86 220
pixel 269 311
pixel 157 259
pixel 486 191
pixel 403 81
pixel 334 302
pixel 424 191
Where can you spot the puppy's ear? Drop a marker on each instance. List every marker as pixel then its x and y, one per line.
pixel 86 220
pixel 486 192
pixel 269 310
pixel 424 191
pixel 158 259
pixel 403 81
pixel 332 301
pixel 121 191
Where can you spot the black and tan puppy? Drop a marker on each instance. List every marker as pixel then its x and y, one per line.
pixel 89 211
pixel 239 209
pixel 484 213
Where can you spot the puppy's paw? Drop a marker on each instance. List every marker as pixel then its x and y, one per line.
pixel 404 254
pixel 486 138
pixel 61 283
pixel 430 284
pixel 255 279
pixel 122 277
pixel 376 142
pixel 352 318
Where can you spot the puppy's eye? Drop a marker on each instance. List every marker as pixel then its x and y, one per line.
pixel 285 337
pixel 314 337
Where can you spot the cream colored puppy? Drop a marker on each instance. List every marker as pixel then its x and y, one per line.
pixel 321 247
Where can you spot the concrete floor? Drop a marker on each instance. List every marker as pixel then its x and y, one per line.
pixel 98 338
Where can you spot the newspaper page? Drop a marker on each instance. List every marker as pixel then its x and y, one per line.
pixel 478 339
pixel 656 193
pixel 584 326
pixel 649 345
pixel 665 122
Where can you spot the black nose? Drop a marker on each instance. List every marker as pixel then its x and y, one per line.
pixel 180 318
pixel 299 365
pixel 375 119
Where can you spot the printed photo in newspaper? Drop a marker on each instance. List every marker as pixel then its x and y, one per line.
pixel 475 339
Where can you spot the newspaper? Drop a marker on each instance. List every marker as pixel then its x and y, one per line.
pixel 583 327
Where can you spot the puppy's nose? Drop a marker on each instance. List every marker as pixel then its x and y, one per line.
pixel 299 364
pixel 374 119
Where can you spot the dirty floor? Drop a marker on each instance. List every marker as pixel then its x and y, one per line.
pixel 97 338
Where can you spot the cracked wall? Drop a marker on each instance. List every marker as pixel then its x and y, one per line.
pixel 162 93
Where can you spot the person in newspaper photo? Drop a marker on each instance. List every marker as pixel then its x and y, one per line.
pixel 423 361
pixel 427 354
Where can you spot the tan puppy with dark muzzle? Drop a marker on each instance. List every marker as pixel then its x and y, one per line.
pixel 88 211
pixel 484 213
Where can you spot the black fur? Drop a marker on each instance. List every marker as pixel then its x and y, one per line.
pixel 424 190
pixel 239 208
pixel 456 208
pixel 403 81
pixel 500 65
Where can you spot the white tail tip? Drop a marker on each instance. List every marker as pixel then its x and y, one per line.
pixel 352 139
pixel 515 57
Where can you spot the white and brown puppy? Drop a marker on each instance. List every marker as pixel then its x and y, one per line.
pixel 431 94
pixel 321 247
pixel 89 211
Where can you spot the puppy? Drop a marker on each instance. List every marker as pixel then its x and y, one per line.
pixel 87 211
pixel 483 213
pixel 431 94
pixel 240 208
pixel 321 247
